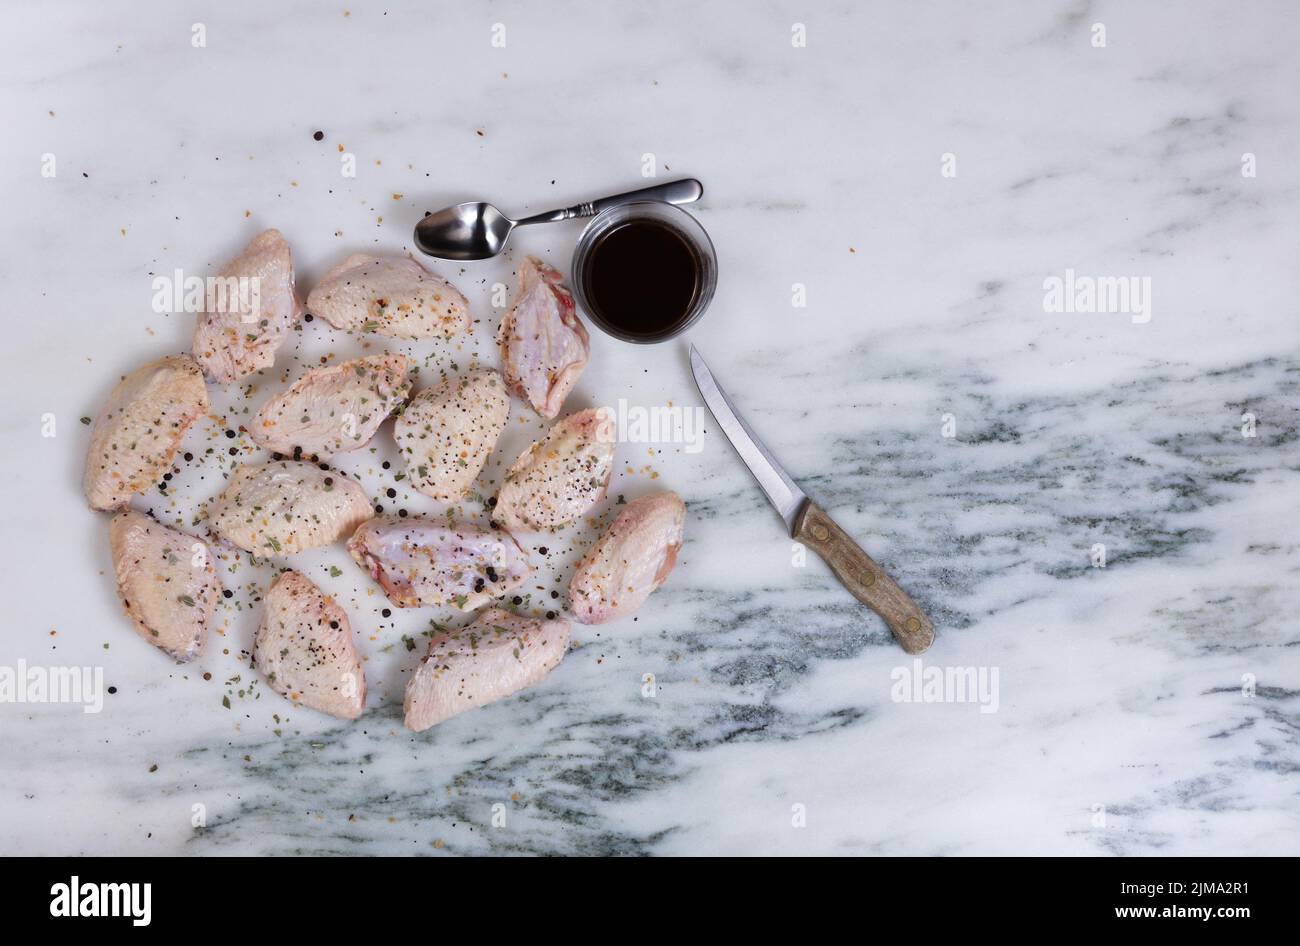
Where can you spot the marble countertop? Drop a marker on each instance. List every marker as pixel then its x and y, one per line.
pixel 895 192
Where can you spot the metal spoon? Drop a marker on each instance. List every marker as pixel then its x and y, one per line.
pixel 477 230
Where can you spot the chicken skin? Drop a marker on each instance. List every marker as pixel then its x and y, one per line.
pixel 447 432
pixel 389 295
pixel 559 477
pixel 135 437
pixel 420 563
pixel 304 649
pixel 166 581
pixel 630 560
pixel 335 409
pixel 241 334
pixel 543 345
pixel 284 507
pixel 499 654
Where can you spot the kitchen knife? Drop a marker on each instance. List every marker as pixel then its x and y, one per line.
pixel 808 523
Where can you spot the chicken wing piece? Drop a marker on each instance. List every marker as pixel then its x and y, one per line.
pixel 304 649
pixel 166 581
pixel 420 563
pixel 631 559
pixel 543 345
pixel 241 330
pixel 134 439
pixel 285 507
pixel 447 432
pixel 561 476
pixel 498 654
pixel 336 409
pixel 390 295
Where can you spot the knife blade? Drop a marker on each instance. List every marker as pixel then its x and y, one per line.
pixel 775 483
pixel 808 523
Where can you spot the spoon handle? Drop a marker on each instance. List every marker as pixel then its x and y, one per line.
pixel 674 192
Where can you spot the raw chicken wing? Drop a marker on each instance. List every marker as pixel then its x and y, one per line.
pixel 561 476
pixel 543 345
pixel 335 409
pixel 631 560
pixel 285 507
pixel 390 295
pixel 241 334
pixel 421 563
pixel 135 437
pixel 498 654
pixel 304 649
pixel 166 581
pixel 447 432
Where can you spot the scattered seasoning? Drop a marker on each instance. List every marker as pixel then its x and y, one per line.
pixel 85 420
pixel 391 493
pixel 550 615
pixel 189 457
pixel 386 613
pixel 319 136
pixel 112 689
pixel 226 592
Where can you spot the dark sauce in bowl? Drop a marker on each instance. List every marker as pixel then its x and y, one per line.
pixel 642 278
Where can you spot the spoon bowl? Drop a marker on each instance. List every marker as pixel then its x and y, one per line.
pixel 469 231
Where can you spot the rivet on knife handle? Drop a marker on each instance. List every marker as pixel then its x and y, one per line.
pixel 866 580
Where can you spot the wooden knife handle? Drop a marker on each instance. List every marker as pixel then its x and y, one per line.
pixel 866 580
